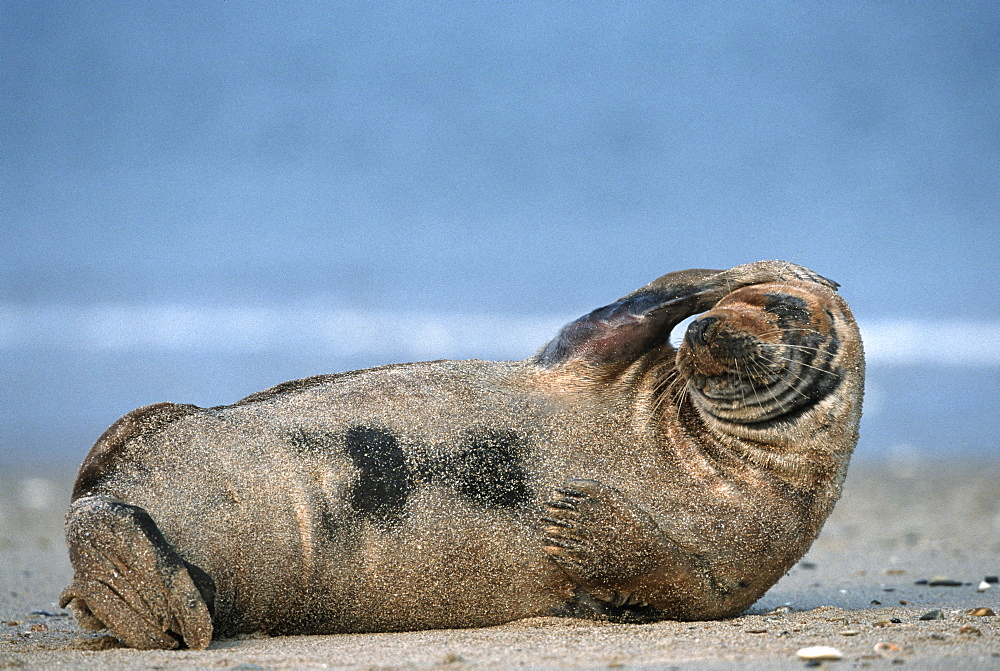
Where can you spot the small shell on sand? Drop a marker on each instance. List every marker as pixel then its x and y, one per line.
pixel 980 612
pixel 983 586
pixel 883 647
pixel 818 653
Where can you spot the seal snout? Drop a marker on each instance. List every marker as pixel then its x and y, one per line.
pixel 718 338
pixel 697 333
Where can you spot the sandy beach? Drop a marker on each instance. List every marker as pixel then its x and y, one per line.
pixel 860 590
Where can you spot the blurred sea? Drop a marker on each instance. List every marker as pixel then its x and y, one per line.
pixel 175 177
pixel 70 371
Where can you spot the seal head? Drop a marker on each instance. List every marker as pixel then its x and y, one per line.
pixel 762 356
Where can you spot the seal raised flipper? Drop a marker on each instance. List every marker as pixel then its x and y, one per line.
pixel 615 551
pixel 642 320
pixel 129 580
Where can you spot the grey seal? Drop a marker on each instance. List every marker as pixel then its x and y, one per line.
pixel 609 475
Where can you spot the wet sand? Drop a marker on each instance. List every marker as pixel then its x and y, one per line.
pixel 856 591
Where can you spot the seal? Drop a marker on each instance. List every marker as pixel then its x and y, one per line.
pixel 611 475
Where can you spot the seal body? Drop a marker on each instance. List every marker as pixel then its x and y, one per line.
pixel 610 475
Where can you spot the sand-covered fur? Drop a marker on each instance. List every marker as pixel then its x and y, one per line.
pixel 609 475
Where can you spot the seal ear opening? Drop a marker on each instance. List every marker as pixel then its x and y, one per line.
pixel 129 580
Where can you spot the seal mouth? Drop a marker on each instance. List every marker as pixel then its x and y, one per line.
pixel 762 355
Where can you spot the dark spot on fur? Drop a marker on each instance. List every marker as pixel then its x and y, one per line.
pixel 832 345
pixel 312 442
pixel 488 469
pixel 823 383
pixel 384 482
pixel 333 525
pixel 790 310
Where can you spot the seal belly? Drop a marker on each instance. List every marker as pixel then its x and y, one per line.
pixel 322 526
pixel 446 564
pixel 421 532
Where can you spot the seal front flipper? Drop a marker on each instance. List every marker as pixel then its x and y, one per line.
pixel 615 552
pixel 129 580
pixel 640 322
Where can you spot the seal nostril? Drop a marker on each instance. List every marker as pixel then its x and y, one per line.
pixel 697 332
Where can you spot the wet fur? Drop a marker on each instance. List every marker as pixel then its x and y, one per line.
pixel 592 479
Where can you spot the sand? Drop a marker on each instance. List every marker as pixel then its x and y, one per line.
pixel 854 591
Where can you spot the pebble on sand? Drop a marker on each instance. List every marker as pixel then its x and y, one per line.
pixel 941 581
pixel 882 647
pixel 819 653
pixel 983 586
pixel 932 615
pixel 980 612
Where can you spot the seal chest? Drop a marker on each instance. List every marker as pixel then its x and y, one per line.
pixel 609 475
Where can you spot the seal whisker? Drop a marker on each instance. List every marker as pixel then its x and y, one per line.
pixel 811 349
pixel 795 376
pixel 669 386
pixel 673 395
pixel 754 387
pixel 773 393
pixel 677 398
pixel 801 363
pixel 785 330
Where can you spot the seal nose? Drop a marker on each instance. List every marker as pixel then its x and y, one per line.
pixel 697 333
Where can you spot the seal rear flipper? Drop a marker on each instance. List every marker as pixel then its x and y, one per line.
pixel 129 580
pixel 615 552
